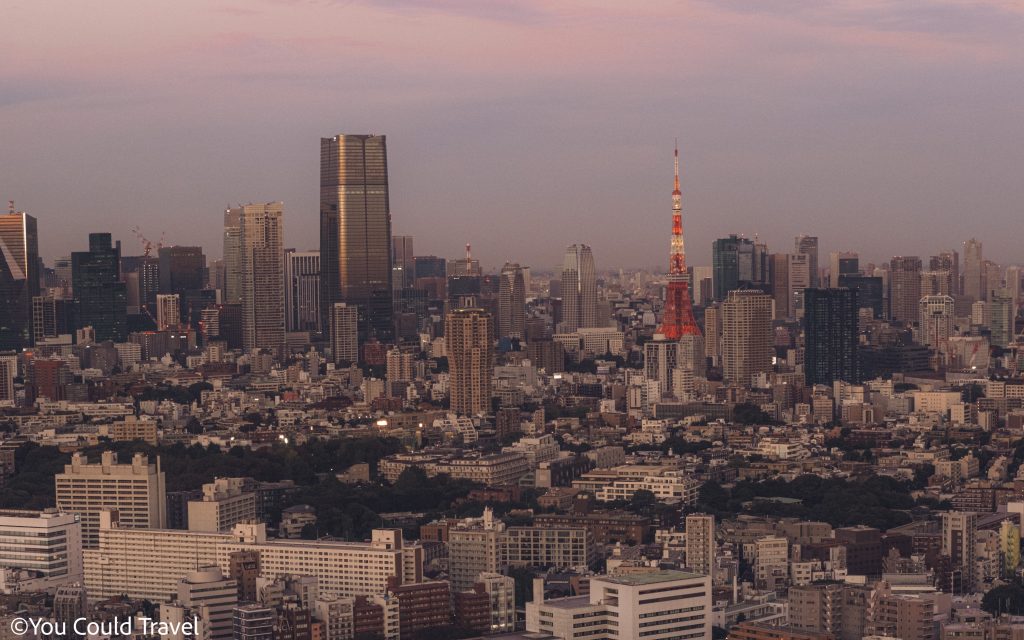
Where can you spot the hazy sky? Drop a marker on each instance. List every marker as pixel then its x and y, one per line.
pixel 885 127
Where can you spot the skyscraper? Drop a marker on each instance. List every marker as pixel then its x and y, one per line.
pixel 725 264
pixel 182 271
pixel 799 280
pixel 937 315
pixel 905 287
pixel 102 297
pixel 468 339
pixel 302 290
pixel 1001 318
pixel 780 284
pixel 830 336
pixel 948 261
pixel 402 266
pixel 747 337
pixel 677 320
pixel 809 245
pixel 870 292
pixel 512 302
pixel 579 289
pixel 842 263
pixel 261 276
pixel 19 278
pixel 232 256
pixel 355 230
pixel 973 286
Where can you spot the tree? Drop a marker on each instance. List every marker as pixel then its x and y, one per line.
pixel 1008 598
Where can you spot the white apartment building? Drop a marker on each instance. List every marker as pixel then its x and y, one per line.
pixel 657 605
pixel 149 563
pixel 39 550
pixel 225 503
pixel 621 482
pixel 136 490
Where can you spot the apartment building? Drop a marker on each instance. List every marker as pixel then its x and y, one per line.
pixel 39 550
pixel 149 563
pixel 657 605
pixel 225 503
pixel 136 490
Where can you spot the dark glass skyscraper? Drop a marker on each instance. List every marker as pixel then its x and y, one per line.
pixel 96 281
pixel 19 278
pixel 830 336
pixel 355 231
pixel 738 263
pixel 870 292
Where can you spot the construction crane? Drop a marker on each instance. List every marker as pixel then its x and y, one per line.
pixel 147 244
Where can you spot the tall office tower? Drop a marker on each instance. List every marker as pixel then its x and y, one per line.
pixel 512 302
pixel 780 285
pixel 904 288
pixel 842 263
pixel 302 290
pixel 143 287
pixel 8 372
pixel 936 283
pixel 344 326
pixel 182 269
pixel 948 261
pixel 102 297
pixel 19 278
pixel 731 264
pixel 1001 314
pixel 579 289
pixel 46 543
pixel 355 230
pixel 799 280
pixel 168 311
pixel 136 490
pixel 713 334
pixel 937 317
pixel 1013 286
pixel 808 245
pixel 973 285
pixel 747 336
pixel 870 292
pixel 261 276
pixel 468 339
pixel 830 336
pixel 991 278
pixel 402 265
pixel 700 544
pixel 959 529
pixel 44 318
pixel 677 320
pixel 232 255
pixel 213 598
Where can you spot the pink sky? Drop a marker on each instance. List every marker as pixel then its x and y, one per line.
pixel 522 127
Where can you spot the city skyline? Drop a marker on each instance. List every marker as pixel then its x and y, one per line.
pixel 829 121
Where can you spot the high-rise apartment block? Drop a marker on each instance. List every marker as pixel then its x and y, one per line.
pixel 700 544
pixel 747 337
pixel 469 342
pixel 135 490
pixel 261 275
pixel 344 326
pixel 355 230
pixel 168 311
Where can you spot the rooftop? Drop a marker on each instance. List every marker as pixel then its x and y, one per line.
pixel 652 577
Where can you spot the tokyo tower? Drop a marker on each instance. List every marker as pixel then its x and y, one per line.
pixel 677 320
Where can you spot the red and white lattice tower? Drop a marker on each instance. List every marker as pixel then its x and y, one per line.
pixel 677 320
